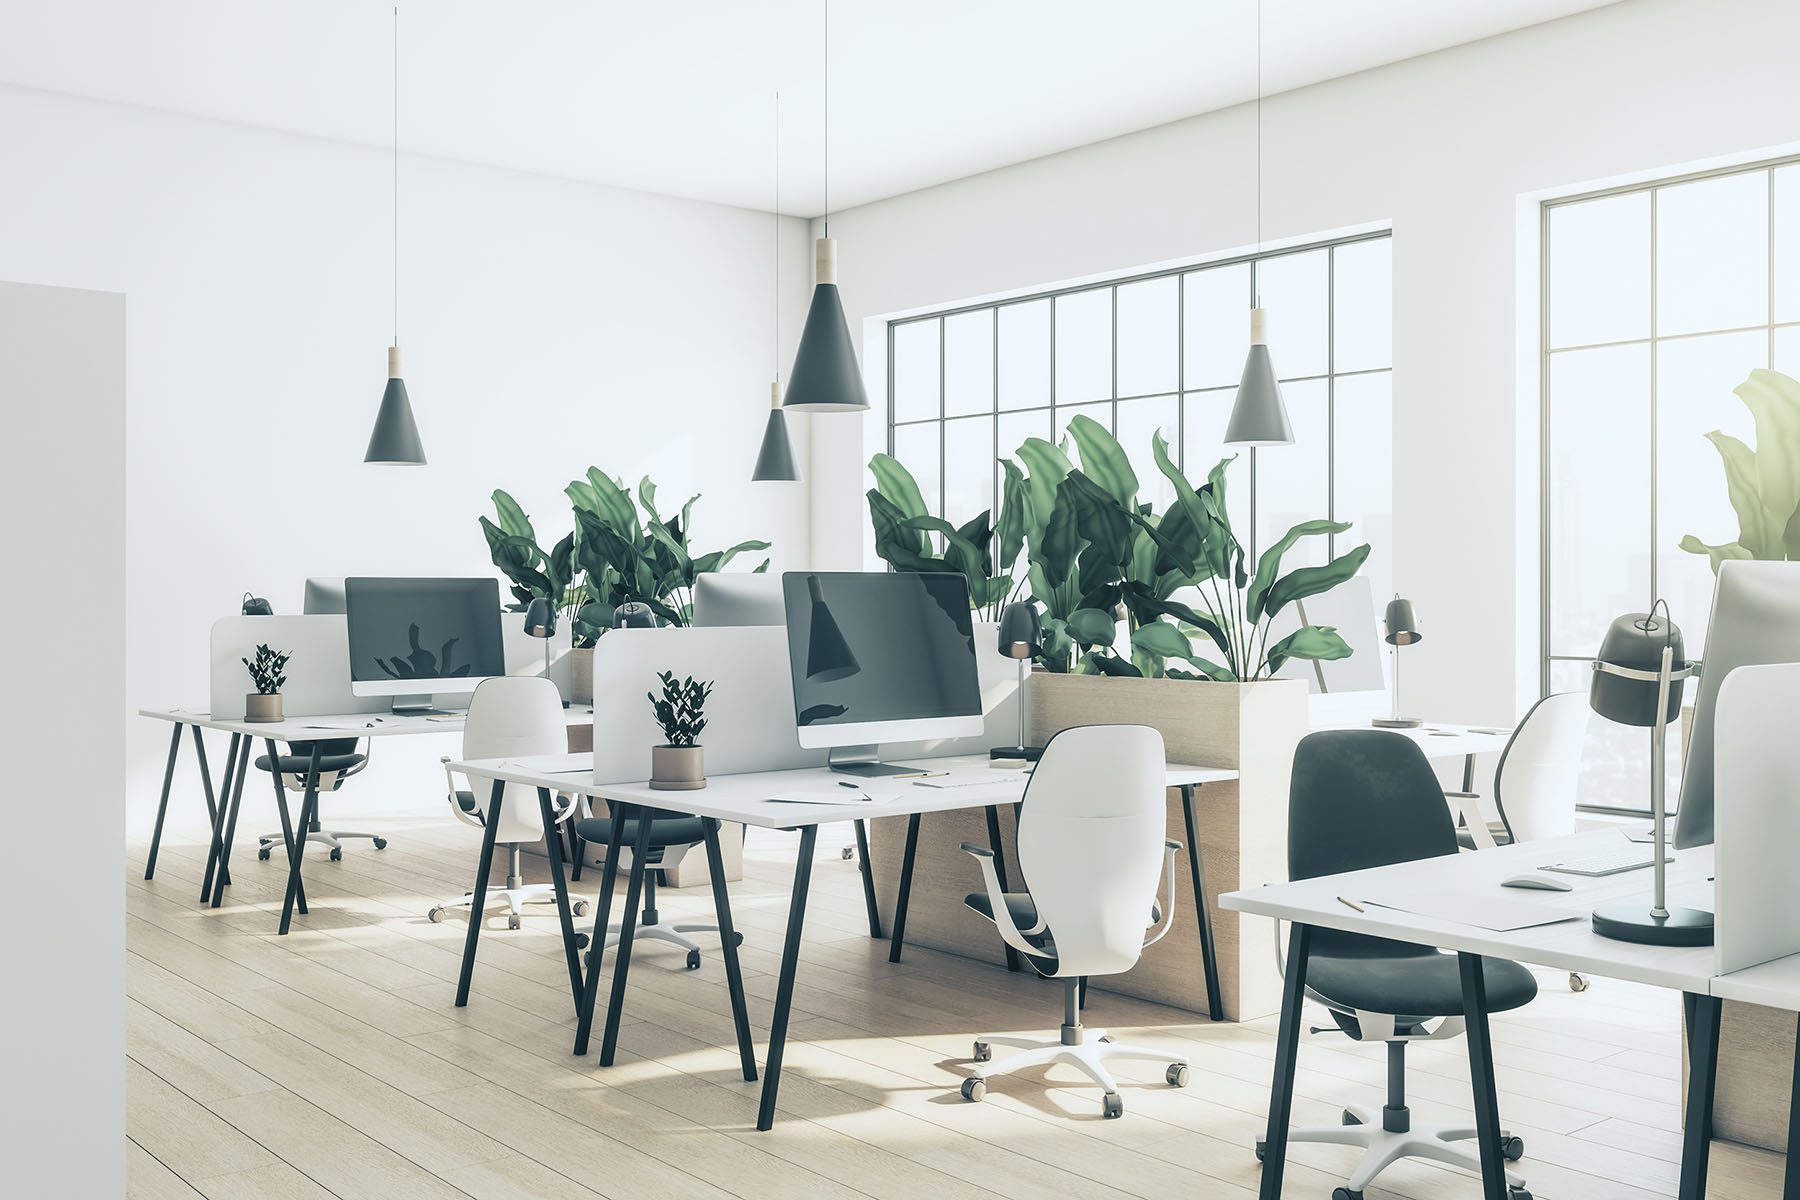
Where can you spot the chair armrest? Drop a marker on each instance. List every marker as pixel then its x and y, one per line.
pixel 1003 919
pixel 1170 850
pixel 1468 806
pixel 474 818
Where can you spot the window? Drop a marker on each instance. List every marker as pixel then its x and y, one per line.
pixel 1164 350
pixel 1657 300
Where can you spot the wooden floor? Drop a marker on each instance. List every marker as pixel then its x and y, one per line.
pixel 332 1062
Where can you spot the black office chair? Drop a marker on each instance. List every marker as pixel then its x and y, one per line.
pixel 1365 798
pixel 339 759
pixel 666 829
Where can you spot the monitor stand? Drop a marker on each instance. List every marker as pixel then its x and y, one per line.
pixel 417 706
pixel 861 761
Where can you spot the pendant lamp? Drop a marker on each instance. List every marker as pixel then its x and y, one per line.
pixel 825 376
pixel 1258 417
pixel 775 461
pixel 395 439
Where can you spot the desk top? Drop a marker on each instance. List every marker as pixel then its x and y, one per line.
pixel 341 725
pixel 1568 945
pixel 1437 739
pixel 1774 984
pixel 745 798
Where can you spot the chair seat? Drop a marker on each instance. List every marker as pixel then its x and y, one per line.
pixel 1400 980
pixel 1466 840
pixel 299 764
pixel 664 831
pixel 465 800
pixel 1024 912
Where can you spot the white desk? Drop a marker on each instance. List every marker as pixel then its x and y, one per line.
pixel 1438 740
pixel 1570 945
pixel 222 811
pixel 745 799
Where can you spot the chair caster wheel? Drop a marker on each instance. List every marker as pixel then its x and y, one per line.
pixel 1577 982
pixel 381 843
pixel 1177 1074
pixel 737 939
pixel 436 914
pixel 581 941
pixel 1517 1193
pixel 693 960
pixel 1344 1193
pixel 513 921
pixel 262 853
pixel 337 854
pixel 1261 1149
pixel 974 1089
pixel 848 853
pixel 1112 1106
pixel 579 908
pixel 1513 1148
pixel 983 1052
pixel 1350 1118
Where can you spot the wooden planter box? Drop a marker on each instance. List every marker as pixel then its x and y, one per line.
pixel 1252 728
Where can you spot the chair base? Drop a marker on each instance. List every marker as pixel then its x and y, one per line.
pixel 514 898
pixel 333 839
pixel 1382 1147
pixel 1089 1054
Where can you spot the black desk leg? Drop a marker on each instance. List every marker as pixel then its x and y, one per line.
pixel 218 825
pixel 478 897
pixel 994 844
pixel 734 979
pixel 1703 1072
pixel 634 894
pixel 609 878
pixel 1481 1076
pixel 287 828
pixel 229 806
pixel 162 806
pixel 790 961
pixel 868 878
pixel 897 941
pixel 1209 957
pixel 1287 1047
pixel 206 787
pixel 309 813
pixel 553 844
pixel 1790 1184
pixel 576 850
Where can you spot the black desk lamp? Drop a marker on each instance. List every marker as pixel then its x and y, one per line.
pixel 540 622
pixel 1020 635
pixel 633 614
pixel 1402 630
pixel 1637 681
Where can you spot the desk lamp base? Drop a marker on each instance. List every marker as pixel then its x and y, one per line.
pixel 1636 923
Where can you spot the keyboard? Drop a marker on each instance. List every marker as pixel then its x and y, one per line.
pixel 1612 862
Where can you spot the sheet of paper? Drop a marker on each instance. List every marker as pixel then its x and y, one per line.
pixel 580 763
pixel 1501 914
pixel 342 723
pixel 839 796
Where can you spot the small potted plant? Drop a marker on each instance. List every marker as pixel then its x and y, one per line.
pixel 679 764
pixel 269 672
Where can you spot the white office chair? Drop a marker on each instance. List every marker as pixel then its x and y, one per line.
pixel 1091 840
pixel 339 759
pixel 512 716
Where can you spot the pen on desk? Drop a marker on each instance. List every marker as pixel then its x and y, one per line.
pixel 847 783
pixel 1351 904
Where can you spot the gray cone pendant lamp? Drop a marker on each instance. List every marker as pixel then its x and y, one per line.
pixel 1258 417
pixel 825 376
pixel 395 439
pixel 775 460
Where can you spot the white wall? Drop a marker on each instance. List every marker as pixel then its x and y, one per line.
pixel 1443 147
pixel 547 325
pixel 62 477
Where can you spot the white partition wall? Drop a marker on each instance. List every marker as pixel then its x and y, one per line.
pixel 62 478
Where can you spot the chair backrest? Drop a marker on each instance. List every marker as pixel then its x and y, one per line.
pixel 1090 843
pixel 1536 782
pixel 1363 798
pixel 515 716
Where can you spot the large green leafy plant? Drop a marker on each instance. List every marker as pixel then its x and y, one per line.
pixel 1764 483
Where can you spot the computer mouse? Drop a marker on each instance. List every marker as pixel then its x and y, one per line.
pixel 1538 881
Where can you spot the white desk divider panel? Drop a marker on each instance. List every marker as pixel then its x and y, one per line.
pixel 1756 824
pixel 318 673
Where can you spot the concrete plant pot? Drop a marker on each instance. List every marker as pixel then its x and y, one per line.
pixel 261 708
pixel 677 768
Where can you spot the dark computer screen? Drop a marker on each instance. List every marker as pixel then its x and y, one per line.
pixel 880 646
pixel 403 629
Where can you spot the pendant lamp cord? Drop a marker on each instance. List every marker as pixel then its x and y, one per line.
pixel 827 168
pixel 777 237
pixel 1259 140
pixel 396 174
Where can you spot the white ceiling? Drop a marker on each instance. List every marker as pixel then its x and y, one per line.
pixel 677 96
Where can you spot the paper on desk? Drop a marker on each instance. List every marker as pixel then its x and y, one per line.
pixel 1502 914
pixel 555 764
pixel 840 796
pixel 341 723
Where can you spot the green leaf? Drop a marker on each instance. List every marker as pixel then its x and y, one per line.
pixel 1715 554
pixel 716 560
pixel 1310 581
pixel 896 483
pixel 512 518
pixel 899 545
pixel 1774 403
pixel 1166 641
pixel 1269 565
pixel 1093 627
pixel 1045 466
pixel 1103 460
pixel 1310 642
pixel 1102 523
pixel 1056 551
pixel 1015 515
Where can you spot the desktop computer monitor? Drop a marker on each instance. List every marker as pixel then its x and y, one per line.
pixel 323 596
pixel 879 656
pixel 754 599
pixel 1755 620
pixel 415 638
